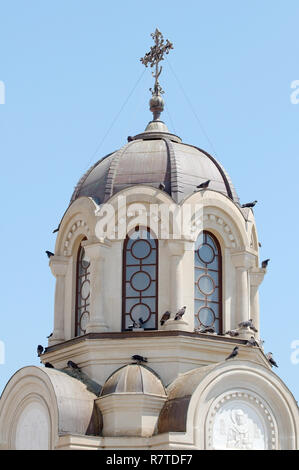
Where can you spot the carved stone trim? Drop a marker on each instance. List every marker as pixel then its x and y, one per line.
pixel 254 401
pixel 75 226
pixel 218 221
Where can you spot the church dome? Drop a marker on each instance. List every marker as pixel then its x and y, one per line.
pixel 134 378
pixel 153 157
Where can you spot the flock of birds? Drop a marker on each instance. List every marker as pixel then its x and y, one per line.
pixel 162 187
pixel 138 324
pixel 202 330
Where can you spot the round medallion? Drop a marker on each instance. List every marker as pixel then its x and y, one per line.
pixel 141 249
pixel 85 290
pixel 206 316
pixel 140 311
pixel 140 281
pixel 83 321
pixel 206 284
pixel 206 253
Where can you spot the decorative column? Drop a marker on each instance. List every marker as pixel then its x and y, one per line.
pixel 96 254
pixel 256 276
pixel 176 275
pixel 59 266
pixel 242 261
pixel 177 249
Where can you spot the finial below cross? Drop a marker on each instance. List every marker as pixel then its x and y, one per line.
pixel 155 56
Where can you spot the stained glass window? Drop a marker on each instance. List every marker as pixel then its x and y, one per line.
pixel 140 277
pixel 82 292
pixel 208 292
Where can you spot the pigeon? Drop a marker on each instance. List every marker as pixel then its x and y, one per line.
pixel 50 336
pixel 40 350
pixel 252 342
pixel 248 324
pixel 49 365
pixel 249 204
pixel 232 333
pixel 265 263
pixel 72 365
pixel 136 324
pixel 49 254
pixel 234 353
pixel 129 138
pixel 162 186
pixel 204 185
pixel 138 358
pixel 261 343
pixel 180 313
pixel 56 230
pixel 269 356
pixel 206 329
pixel 165 317
pixel 260 245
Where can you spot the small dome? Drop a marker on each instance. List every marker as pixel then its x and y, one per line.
pixel 153 157
pixel 133 378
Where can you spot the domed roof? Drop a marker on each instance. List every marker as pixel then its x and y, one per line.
pixel 133 378
pixel 153 157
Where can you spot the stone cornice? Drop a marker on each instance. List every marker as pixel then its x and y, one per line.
pixel 243 259
pixel 59 265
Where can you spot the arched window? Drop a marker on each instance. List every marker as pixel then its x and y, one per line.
pixel 82 292
pixel 140 279
pixel 208 282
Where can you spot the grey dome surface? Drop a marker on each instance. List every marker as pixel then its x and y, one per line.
pixel 151 158
pixel 133 378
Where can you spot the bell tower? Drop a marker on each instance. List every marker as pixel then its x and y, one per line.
pixel 156 333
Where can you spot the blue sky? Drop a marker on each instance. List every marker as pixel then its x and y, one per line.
pixel 68 68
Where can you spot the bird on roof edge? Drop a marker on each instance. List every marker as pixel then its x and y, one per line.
pixel 249 204
pixel 139 359
pixel 180 313
pixel 234 353
pixel 204 185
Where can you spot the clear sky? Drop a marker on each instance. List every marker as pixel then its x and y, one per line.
pixel 69 66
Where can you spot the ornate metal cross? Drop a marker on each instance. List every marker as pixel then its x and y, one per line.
pixel 155 56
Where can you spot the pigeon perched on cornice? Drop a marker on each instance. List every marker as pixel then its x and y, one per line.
pixel 265 263
pixel 232 333
pixel 162 186
pixel 248 324
pixel 252 342
pixel 269 356
pixel 73 365
pixel 49 253
pixel 136 324
pixel 249 204
pixel 139 359
pixel 180 313
pixel 204 185
pixel 49 365
pixel 165 317
pixel 234 353
pixel 40 350
pixel 206 329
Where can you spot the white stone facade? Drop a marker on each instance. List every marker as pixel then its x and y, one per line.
pixel 205 402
